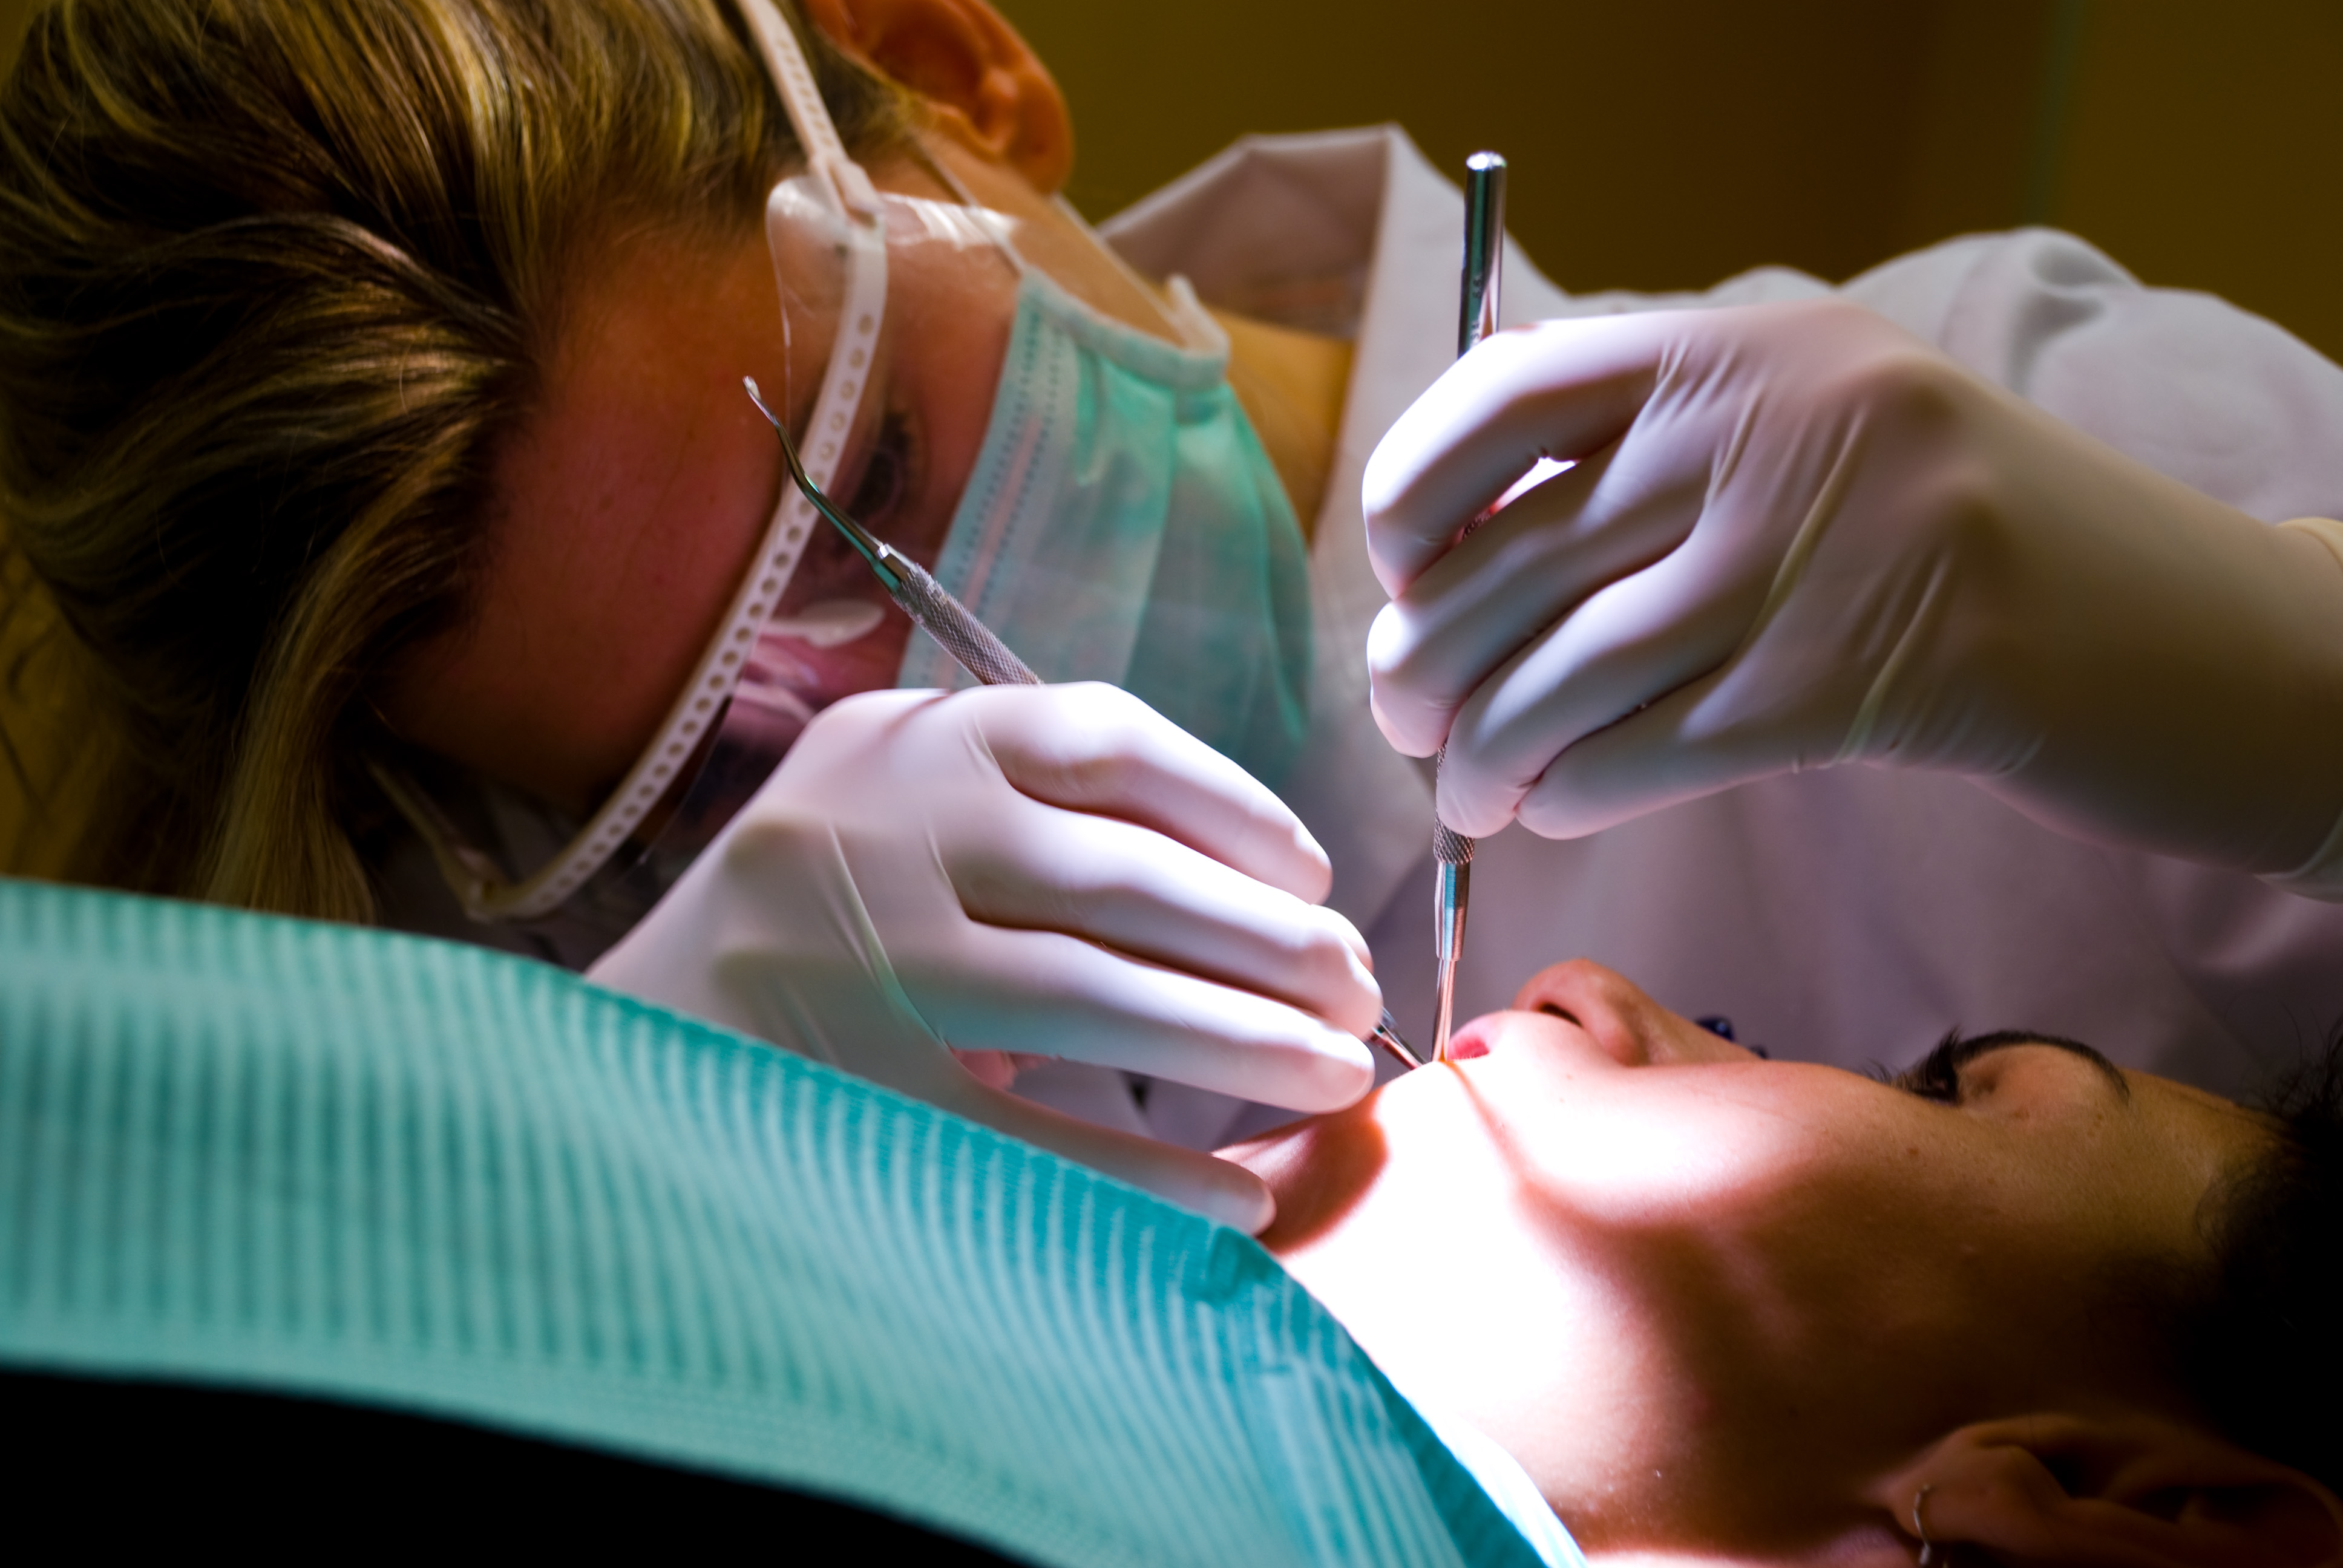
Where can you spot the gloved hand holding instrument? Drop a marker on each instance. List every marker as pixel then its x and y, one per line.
pixel 1794 537
pixel 1045 870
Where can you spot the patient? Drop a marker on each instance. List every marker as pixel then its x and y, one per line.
pixel 1725 1307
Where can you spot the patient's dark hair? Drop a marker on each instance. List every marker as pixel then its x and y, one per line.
pixel 2263 1351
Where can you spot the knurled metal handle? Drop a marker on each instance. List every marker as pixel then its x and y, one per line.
pixel 1449 846
pixel 966 639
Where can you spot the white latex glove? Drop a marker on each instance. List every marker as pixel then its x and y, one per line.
pixel 1796 536
pixel 1051 870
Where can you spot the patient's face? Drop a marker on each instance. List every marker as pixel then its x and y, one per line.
pixel 1682 1284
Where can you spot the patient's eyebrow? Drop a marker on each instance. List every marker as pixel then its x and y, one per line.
pixel 1937 1073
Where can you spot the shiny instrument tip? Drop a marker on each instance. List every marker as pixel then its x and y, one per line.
pixel 758 397
pixel 1387 1036
pixel 797 475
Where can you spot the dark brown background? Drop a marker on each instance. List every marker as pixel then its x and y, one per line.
pixel 1668 143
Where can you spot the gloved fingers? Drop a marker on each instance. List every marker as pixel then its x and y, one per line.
pixel 1628 645
pixel 1531 564
pixel 1211 1186
pixel 1056 995
pixel 1141 894
pixel 1088 746
pixel 1561 389
pixel 1700 738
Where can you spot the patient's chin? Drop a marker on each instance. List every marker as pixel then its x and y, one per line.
pixel 1404 1217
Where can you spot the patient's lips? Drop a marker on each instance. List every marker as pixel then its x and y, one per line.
pixel 1470 1040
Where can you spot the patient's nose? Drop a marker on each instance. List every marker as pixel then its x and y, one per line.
pixel 1623 1024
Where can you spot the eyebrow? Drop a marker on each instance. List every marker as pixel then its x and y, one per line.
pixel 1942 1065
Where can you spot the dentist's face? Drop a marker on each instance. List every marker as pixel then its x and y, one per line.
pixel 1685 1285
pixel 628 504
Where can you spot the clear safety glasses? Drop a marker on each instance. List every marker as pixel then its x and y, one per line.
pixel 883 299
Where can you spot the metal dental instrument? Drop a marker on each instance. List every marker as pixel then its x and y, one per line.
pixel 1484 246
pixel 908 583
pixel 934 610
pixel 1386 1035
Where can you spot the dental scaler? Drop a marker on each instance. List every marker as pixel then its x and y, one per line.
pixel 933 610
pixel 955 627
pixel 1485 246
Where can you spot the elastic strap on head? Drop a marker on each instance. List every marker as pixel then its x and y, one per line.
pixel 701 703
pixel 785 62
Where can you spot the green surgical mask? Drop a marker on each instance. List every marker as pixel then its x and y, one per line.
pixel 1123 524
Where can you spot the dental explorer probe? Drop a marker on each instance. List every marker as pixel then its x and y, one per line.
pixel 1484 251
pixel 954 626
pixel 968 640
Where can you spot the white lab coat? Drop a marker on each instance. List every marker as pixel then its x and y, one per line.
pixel 1852 915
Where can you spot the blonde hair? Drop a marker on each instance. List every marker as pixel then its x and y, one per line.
pixel 275 275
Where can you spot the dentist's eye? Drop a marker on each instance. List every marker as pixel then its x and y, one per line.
pixel 887 475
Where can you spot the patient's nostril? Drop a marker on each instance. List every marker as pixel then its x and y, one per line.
pixel 1551 1011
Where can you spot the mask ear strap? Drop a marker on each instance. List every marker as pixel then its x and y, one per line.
pixel 1185 315
pixel 994 226
pixel 1187 312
